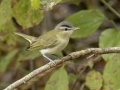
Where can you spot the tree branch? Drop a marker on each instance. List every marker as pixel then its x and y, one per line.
pixel 50 65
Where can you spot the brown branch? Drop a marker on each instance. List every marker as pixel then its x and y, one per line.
pixel 50 65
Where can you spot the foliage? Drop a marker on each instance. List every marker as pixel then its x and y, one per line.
pixel 88 22
pixel 35 4
pixel 111 74
pixel 110 38
pixel 5 16
pixel 47 4
pixel 7 59
pixel 58 79
pixel 96 79
pixel 27 14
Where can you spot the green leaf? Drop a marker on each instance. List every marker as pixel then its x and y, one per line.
pixel 110 38
pixel 4 61
pixel 8 36
pixel 111 75
pixel 94 80
pixel 87 20
pixel 35 4
pixel 58 81
pixel 8 27
pixel 5 12
pixel 26 15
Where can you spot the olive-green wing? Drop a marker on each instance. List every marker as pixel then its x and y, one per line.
pixel 43 44
pixel 47 40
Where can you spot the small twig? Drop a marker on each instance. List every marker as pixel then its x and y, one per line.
pixel 114 24
pixel 90 56
pixel 50 65
pixel 84 66
pixel 106 4
pixel 32 67
pixel 78 77
pixel 82 86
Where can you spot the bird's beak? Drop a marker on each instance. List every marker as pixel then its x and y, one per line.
pixel 76 28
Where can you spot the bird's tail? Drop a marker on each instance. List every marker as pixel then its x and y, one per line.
pixel 27 37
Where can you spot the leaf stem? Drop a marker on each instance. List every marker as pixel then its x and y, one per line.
pixel 114 24
pixel 106 4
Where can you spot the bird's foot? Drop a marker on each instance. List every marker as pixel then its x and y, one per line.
pixel 54 62
pixel 62 59
pixel 58 57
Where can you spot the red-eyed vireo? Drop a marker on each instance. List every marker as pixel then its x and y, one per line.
pixel 51 42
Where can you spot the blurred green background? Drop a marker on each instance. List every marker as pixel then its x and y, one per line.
pixel 99 23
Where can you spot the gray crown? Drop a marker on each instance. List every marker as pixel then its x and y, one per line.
pixel 64 24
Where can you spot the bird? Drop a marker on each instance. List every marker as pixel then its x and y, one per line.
pixel 52 41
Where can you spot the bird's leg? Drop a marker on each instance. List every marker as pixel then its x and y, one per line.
pixel 49 59
pixel 58 57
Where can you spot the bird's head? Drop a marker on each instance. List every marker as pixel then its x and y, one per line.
pixel 65 29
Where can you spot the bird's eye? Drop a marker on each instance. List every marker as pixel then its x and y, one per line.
pixel 66 29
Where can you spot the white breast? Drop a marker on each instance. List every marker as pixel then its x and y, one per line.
pixel 56 49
